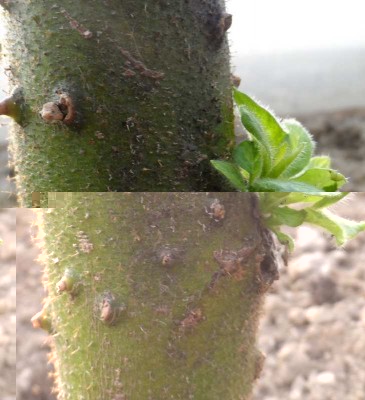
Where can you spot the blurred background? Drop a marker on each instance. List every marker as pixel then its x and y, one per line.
pixel 7 304
pixel 7 188
pixel 306 59
pixel 312 329
pixel 303 58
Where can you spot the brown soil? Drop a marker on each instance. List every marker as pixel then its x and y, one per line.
pixel 7 304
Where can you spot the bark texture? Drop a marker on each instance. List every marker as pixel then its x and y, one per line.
pixel 154 295
pixel 150 91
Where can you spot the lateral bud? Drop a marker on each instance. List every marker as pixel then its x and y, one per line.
pixel 42 320
pixel 109 308
pixel 68 283
pixel 12 106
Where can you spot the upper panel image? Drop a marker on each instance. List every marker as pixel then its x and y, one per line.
pixel 131 96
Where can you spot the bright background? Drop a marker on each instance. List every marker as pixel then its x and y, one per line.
pixel 271 26
pixel 300 56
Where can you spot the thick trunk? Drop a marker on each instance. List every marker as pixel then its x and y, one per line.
pixel 155 295
pixel 149 86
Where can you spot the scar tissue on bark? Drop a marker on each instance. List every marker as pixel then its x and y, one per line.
pixel 231 262
pixel 137 65
pixel 216 210
pixel 63 110
pixel 168 256
pixel 85 33
pixel 192 319
pixel 128 73
pixel 84 244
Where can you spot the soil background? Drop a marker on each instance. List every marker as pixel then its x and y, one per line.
pixel 7 304
pixel 312 330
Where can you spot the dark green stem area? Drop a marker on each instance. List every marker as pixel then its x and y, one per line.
pixel 150 84
pixel 140 302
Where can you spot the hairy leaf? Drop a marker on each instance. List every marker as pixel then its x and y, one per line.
pixel 232 172
pixel 342 229
pixel 286 216
pixel 299 151
pixel 261 124
pixel 281 185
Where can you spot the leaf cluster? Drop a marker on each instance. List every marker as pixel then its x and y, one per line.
pixel 277 210
pixel 278 157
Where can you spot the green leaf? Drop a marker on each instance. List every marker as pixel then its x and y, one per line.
pixel 232 172
pixel 327 201
pixel 327 180
pixel 323 199
pixel 286 216
pixel 262 125
pixel 299 151
pixel 248 157
pixel 245 155
pixel 320 162
pixel 341 228
pixel 281 185
pixel 272 199
pixel 284 239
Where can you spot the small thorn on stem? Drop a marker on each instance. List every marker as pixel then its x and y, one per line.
pixel 226 21
pixel 42 320
pixel 235 80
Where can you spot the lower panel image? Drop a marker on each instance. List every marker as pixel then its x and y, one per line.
pixel 7 303
pixel 161 296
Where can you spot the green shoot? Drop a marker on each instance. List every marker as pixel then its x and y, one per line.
pixel 278 157
pixel 276 211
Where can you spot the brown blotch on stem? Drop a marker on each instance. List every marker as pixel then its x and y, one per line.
pixel 128 73
pixel 84 32
pixel 216 210
pixel 193 318
pixel 232 263
pixel 136 65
